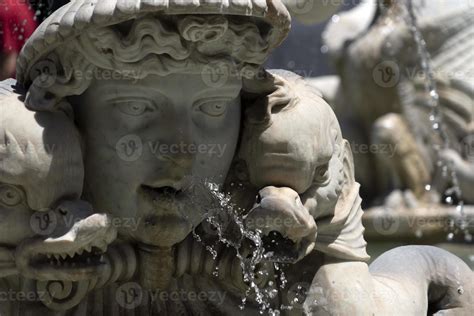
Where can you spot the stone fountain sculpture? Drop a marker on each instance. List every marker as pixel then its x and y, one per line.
pixel 391 44
pixel 162 118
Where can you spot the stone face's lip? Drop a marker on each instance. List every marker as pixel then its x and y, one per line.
pixel 163 192
pixel 79 16
pixel 177 185
pixel 166 200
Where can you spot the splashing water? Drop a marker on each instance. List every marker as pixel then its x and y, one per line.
pixel 436 118
pixel 249 247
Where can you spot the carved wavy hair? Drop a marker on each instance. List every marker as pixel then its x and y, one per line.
pixel 151 45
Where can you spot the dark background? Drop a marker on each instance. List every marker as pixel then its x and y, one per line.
pixel 301 52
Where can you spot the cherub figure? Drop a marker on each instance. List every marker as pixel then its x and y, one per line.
pixel 284 144
pixel 302 170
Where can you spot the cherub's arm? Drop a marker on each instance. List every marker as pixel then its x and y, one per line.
pixel 280 210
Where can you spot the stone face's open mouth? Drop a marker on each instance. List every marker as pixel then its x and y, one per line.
pixel 166 199
pixel 163 191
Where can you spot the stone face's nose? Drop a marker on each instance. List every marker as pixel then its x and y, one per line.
pixel 174 141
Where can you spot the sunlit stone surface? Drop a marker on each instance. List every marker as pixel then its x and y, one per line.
pixel 151 166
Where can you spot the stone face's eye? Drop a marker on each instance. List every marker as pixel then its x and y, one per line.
pixel 322 175
pixel 10 196
pixel 134 107
pixel 213 107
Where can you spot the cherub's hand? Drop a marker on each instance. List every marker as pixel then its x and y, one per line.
pixel 280 210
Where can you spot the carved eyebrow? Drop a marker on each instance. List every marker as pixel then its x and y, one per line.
pixel 156 98
pixel 226 92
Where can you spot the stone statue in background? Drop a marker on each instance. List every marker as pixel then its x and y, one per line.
pixel 381 99
pixel 156 91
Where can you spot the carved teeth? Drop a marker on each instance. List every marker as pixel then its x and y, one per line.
pixel 56 256
pixel 49 255
pixel 81 251
pixel 88 248
pixel 63 255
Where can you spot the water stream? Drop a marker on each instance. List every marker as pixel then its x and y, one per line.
pixel 265 280
pixel 454 192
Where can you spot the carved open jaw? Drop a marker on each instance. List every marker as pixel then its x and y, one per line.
pixel 74 256
pixel 84 258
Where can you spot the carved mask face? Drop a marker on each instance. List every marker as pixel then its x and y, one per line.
pixel 41 170
pixel 40 164
pixel 145 139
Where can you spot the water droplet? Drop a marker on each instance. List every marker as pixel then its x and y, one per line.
pixel 335 18
pixel 324 49
pixel 450 236
pixel 460 290
pixel 419 233
pixel 449 200
pixel 428 187
pixel 434 95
